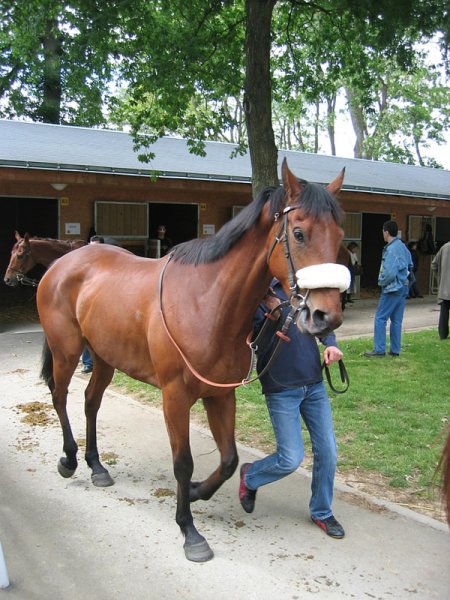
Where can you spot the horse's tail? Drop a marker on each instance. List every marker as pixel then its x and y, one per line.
pixel 47 363
pixel 444 465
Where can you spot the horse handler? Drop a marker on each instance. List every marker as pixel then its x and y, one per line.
pixel 294 387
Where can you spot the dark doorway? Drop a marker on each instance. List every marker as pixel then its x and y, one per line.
pixel 372 244
pixel 36 216
pixel 442 231
pixel 181 220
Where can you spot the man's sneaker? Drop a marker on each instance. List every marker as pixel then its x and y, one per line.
pixel 246 496
pixel 331 527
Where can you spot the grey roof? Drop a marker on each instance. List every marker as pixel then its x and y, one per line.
pixel 66 148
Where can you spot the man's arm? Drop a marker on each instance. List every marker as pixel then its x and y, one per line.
pixel 388 269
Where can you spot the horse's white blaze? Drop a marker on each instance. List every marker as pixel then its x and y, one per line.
pixel 326 275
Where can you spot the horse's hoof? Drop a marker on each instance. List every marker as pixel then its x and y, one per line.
pixel 200 552
pixel 102 479
pixel 65 471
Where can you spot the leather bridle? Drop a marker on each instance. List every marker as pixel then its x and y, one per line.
pixel 20 276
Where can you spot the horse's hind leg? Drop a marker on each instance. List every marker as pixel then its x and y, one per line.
pixel 221 417
pixel 100 379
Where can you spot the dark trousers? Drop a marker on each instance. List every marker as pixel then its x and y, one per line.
pixel 443 319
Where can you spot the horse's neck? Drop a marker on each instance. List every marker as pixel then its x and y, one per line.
pixel 45 252
pixel 239 287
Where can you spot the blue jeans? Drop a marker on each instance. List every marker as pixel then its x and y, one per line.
pixel 87 358
pixel 391 306
pixel 285 408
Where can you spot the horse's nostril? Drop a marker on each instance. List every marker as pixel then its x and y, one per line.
pixel 320 319
pixel 324 322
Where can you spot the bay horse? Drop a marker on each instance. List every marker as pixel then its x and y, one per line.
pixel 28 252
pixel 181 322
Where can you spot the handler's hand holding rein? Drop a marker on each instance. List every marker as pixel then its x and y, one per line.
pixel 332 354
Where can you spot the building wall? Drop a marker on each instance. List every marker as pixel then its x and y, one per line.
pixel 77 200
pixel 215 199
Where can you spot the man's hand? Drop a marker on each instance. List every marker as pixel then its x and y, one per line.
pixel 270 300
pixel 332 354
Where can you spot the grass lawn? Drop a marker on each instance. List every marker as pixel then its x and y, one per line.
pixel 389 424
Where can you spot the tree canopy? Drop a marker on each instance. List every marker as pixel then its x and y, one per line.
pixel 257 71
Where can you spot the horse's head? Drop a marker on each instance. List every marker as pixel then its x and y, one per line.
pixel 21 261
pixel 308 236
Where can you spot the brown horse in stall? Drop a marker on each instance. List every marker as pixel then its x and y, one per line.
pixel 181 323
pixel 28 252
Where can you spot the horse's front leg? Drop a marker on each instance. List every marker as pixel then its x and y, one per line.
pixel 67 464
pixel 100 379
pixel 221 413
pixel 196 548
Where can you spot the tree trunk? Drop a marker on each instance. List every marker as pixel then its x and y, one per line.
pixel 331 119
pixel 258 95
pixel 316 126
pixel 50 109
pixel 359 124
pixel 417 148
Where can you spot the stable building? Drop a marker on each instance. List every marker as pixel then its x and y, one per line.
pixel 66 182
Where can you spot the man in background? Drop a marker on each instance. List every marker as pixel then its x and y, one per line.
pixel 396 264
pixel 441 264
pixel 164 241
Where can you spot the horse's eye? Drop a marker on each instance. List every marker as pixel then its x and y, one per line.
pixel 298 235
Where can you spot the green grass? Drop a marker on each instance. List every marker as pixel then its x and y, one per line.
pixel 390 422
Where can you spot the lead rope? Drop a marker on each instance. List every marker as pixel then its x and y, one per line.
pixel 282 334
pixel 253 345
pixel 344 377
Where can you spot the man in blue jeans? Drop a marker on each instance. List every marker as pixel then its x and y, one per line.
pixel 294 387
pixel 396 264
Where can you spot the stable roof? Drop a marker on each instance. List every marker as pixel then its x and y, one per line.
pixel 67 148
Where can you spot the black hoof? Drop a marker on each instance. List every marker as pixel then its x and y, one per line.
pixel 65 471
pixel 102 479
pixel 200 552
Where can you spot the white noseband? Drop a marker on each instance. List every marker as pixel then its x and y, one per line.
pixel 326 275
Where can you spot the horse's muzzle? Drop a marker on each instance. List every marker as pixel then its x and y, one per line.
pixel 321 318
pixel 11 281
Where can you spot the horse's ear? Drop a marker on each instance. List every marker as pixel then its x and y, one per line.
pixel 291 184
pixel 335 186
pixel 17 235
pixel 26 237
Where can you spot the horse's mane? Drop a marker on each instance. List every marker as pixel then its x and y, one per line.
pixel 47 239
pixel 315 201
pixel 36 238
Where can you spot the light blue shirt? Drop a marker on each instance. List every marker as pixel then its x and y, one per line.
pixel 396 263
